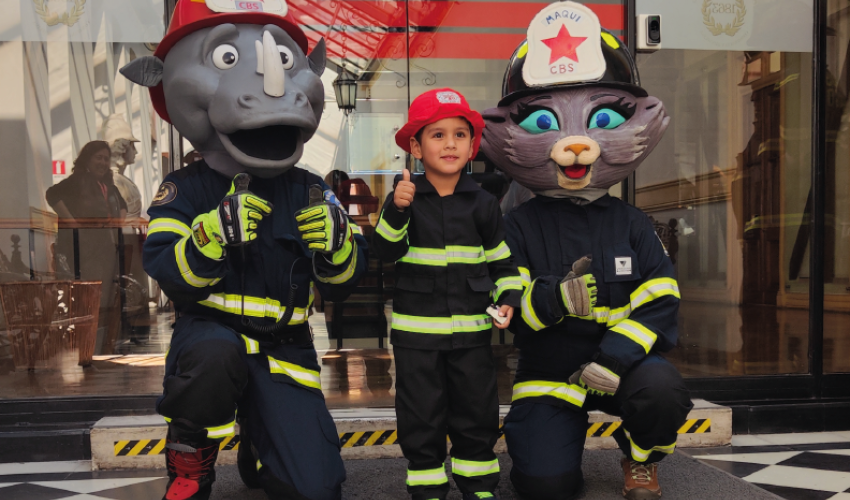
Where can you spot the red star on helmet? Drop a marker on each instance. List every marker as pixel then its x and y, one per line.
pixel 564 45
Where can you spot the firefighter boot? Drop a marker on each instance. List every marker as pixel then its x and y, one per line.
pixel 641 480
pixel 480 496
pixel 190 458
pixel 246 458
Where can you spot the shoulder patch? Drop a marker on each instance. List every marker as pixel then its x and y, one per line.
pixel 166 194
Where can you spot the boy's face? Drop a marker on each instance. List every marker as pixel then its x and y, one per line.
pixel 446 146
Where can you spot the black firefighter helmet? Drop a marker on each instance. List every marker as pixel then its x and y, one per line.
pixel 620 72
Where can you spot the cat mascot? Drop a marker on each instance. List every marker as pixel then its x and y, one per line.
pixel 572 122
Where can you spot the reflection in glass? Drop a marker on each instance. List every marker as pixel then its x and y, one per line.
pixel 727 188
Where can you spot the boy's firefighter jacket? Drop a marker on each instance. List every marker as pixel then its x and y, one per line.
pixel 451 263
pixel 200 285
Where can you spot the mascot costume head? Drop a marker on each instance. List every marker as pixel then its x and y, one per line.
pixel 573 119
pixel 233 77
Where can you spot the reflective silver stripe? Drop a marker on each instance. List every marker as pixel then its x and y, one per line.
pixel 525 276
pixel 221 431
pixel 441 257
pixel 537 388
pixel 251 345
pixel 166 225
pixel 345 275
pixel 636 332
pixel 185 271
pixel 464 255
pixel 390 233
pixel 505 284
pixel 428 477
pixel 256 307
pixel 472 468
pixel 305 377
pixel 440 325
pixel 500 252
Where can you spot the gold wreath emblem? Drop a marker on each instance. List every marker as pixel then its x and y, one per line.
pixel 68 18
pixel 715 27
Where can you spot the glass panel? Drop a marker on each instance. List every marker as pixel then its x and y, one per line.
pixel 728 189
pixel 836 343
pixel 79 314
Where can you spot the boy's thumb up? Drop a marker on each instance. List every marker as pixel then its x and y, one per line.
pixel 405 175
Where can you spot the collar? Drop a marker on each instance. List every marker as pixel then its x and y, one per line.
pixel 465 184
pixel 602 202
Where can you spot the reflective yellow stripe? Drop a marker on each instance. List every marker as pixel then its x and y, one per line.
pixel 355 228
pixel 654 289
pixel 441 325
pixel 441 257
pixel 251 345
pixel 346 275
pixel 537 388
pixel 525 276
pixel 505 284
pixel 428 477
pixel 256 307
pixel 222 431
pixel 388 232
pixel 641 455
pixel 303 376
pixel 165 225
pixel 185 271
pixel 500 252
pixel 472 468
pixel 528 314
pixel 636 332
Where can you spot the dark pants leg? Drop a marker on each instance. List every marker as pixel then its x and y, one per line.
pixel 205 375
pixel 653 402
pixel 421 404
pixel 473 422
pixel 546 444
pixel 293 432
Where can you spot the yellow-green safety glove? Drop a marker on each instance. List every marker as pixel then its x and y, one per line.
pixel 326 230
pixel 596 379
pixel 234 222
pixel 577 291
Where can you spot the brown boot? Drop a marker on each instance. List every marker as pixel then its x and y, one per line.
pixel 641 480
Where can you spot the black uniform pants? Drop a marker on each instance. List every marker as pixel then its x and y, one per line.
pixel 454 393
pixel 546 442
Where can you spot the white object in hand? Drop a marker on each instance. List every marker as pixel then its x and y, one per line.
pixel 494 312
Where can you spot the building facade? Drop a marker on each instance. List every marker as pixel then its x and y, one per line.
pixel 745 188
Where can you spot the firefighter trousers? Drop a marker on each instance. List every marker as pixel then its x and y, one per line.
pixel 546 442
pixel 209 374
pixel 447 392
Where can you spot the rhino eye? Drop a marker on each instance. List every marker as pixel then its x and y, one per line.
pixel 286 56
pixel 540 121
pixel 606 118
pixel 225 56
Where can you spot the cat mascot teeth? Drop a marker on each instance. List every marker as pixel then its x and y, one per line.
pixel 572 122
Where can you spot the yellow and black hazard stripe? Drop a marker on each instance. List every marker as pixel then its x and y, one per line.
pixel 368 438
pixel 696 426
pixel 381 438
pixel 157 446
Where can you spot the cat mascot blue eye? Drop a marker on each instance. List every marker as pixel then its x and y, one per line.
pixel 540 121
pixel 606 118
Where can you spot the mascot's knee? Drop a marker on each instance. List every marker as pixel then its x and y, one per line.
pixel 276 489
pixel 216 362
pixel 563 487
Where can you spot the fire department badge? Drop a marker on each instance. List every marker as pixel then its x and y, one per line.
pixel 563 46
pixel 166 194
pixel 278 7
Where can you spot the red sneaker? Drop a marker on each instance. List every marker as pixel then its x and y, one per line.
pixel 641 480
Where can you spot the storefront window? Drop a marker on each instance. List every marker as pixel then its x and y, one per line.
pixel 836 348
pixel 728 189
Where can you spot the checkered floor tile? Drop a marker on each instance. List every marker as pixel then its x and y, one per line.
pixel 71 484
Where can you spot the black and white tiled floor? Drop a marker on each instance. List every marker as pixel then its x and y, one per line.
pixel 793 466
pixel 76 481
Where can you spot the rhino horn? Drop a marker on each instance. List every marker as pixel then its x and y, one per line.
pixel 273 77
pixel 317 57
pixel 145 71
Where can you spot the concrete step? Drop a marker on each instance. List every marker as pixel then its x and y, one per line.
pixel 137 442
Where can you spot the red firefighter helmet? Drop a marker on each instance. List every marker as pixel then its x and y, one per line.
pixel 193 15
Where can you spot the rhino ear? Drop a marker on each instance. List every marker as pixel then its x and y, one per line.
pixel 317 57
pixel 145 71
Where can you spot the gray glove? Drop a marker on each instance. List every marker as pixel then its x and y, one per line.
pixel 578 290
pixel 596 379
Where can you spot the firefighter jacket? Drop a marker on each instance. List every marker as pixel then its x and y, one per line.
pixel 199 285
pixel 451 263
pixel 637 303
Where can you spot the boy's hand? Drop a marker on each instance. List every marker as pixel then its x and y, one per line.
pixel 505 312
pixel 404 191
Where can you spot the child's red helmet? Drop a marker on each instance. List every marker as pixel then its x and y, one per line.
pixel 433 106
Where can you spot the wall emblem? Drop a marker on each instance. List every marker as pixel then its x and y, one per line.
pixel 724 18
pixel 72 14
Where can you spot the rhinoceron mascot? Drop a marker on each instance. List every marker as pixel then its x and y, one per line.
pixel 573 121
pixel 236 240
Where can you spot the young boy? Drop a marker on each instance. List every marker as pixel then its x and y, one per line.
pixel 445 235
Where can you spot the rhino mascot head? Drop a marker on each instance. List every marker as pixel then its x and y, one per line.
pixel 573 119
pixel 234 79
